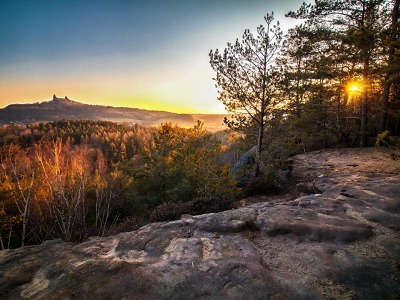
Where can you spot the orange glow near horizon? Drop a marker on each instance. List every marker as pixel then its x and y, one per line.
pixel 141 102
pixel 170 88
pixel 117 94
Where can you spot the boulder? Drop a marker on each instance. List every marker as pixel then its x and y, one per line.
pixel 244 168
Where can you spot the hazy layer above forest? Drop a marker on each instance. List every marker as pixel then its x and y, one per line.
pixel 64 108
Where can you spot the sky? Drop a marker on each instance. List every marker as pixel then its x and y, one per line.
pixel 150 54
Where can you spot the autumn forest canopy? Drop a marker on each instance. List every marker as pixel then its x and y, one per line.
pixel 333 81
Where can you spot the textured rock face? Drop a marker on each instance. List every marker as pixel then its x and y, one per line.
pixel 342 243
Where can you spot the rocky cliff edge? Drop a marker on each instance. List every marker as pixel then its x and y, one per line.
pixel 341 242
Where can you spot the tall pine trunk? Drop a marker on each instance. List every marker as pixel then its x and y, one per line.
pixel 388 82
pixel 364 105
pixel 363 126
pixel 259 148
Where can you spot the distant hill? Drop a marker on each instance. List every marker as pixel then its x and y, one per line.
pixel 64 108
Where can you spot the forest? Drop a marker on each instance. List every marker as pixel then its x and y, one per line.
pixel 75 179
pixel 333 81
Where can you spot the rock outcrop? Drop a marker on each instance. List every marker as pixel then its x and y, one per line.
pixel 340 243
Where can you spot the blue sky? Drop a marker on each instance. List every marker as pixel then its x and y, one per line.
pixel 146 54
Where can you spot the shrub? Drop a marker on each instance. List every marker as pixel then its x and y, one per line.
pixel 169 211
pixel 174 210
pixel 268 183
pixel 128 224
pixel 207 205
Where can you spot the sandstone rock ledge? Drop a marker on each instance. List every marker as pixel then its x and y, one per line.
pixel 342 243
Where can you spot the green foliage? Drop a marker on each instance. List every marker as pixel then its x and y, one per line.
pixel 185 165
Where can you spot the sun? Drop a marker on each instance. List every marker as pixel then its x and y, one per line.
pixel 355 88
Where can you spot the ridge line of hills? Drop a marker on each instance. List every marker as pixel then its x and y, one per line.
pixel 64 108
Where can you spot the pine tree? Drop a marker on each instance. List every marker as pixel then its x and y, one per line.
pixel 247 79
pixel 352 30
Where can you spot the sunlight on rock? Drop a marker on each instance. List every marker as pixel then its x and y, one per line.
pixel 39 283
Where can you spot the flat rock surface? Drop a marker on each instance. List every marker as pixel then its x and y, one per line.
pixel 341 242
